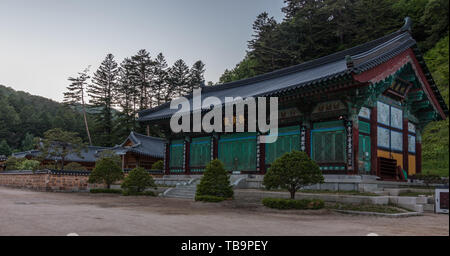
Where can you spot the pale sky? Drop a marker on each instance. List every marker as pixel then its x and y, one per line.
pixel 44 42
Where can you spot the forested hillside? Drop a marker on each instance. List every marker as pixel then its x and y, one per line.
pixel 311 29
pixel 24 116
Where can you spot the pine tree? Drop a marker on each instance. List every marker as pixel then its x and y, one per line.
pixel 101 92
pixel 75 95
pixel 28 142
pixel 126 94
pixel 4 148
pixel 160 78
pixel 178 80
pixel 196 76
pixel 143 70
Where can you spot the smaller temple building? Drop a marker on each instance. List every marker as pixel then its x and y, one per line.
pixel 139 150
pixel 136 151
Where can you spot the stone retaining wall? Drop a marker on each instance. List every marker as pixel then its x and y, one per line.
pixel 45 181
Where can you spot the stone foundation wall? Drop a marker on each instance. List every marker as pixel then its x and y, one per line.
pixel 45 181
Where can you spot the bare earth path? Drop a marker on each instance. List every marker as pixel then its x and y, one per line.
pixel 43 213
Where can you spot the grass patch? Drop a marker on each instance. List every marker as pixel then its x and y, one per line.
pixel 413 193
pixel 208 198
pixel 367 208
pixel 105 190
pixel 353 193
pixel 285 204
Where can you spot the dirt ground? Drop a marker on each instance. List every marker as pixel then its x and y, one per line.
pixel 44 213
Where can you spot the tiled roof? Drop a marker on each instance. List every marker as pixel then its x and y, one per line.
pixel 305 75
pixel 143 145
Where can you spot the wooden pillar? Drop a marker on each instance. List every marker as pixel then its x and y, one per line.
pixel 308 126
pixel 147 129
pixel 261 151
pixel 418 152
pixel 215 147
pixel 187 143
pixel 405 145
pixel 167 159
pixel 373 141
pixel 355 140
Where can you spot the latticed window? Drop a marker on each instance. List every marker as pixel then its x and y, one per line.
pixel 329 146
pixel 200 152
pixel 287 141
pixel 238 151
pixel 176 154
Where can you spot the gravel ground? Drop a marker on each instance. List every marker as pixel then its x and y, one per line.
pixel 44 213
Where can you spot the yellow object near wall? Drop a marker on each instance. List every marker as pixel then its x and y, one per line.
pixel 411 164
pixel 391 155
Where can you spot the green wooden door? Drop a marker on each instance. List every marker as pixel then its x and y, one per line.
pixel 176 156
pixel 328 144
pixel 364 153
pixel 238 151
pixel 287 141
pixel 200 153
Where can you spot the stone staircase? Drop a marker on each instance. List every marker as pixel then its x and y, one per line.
pixel 183 190
pixel 187 189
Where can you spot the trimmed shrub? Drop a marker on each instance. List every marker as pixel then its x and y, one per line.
pixel 158 165
pixel 135 193
pixel 215 181
pixel 105 190
pixel 292 171
pixel 13 163
pixel 74 167
pixel 138 180
pixel 106 171
pixel 207 198
pixel 29 165
pixel 285 204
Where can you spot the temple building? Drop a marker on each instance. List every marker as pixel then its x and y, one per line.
pixel 357 111
pixel 139 150
pixel 136 151
pixel 86 157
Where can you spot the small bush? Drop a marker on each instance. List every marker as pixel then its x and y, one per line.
pixel 105 190
pixel 13 163
pixel 206 198
pixel 284 204
pixel 138 180
pixel 215 181
pixel 158 165
pixel 136 193
pixel 107 171
pixel 292 171
pixel 29 165
pixel 74 167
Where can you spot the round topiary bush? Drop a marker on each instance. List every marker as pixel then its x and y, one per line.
pixel 158 165
pixel 137 181
pixel 215 181
pixel 292 171
pixel 106 171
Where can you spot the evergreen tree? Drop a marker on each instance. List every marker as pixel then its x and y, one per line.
pixel 4 148
pixel 28 142
pixel 160 78
pixel 75 95
pixel 101 92
pixel 178 80
pixel 143 71
pixel 126 95
pixel 196 76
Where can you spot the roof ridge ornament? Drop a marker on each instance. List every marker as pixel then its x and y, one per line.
pixel 349 61
pixel 408 25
